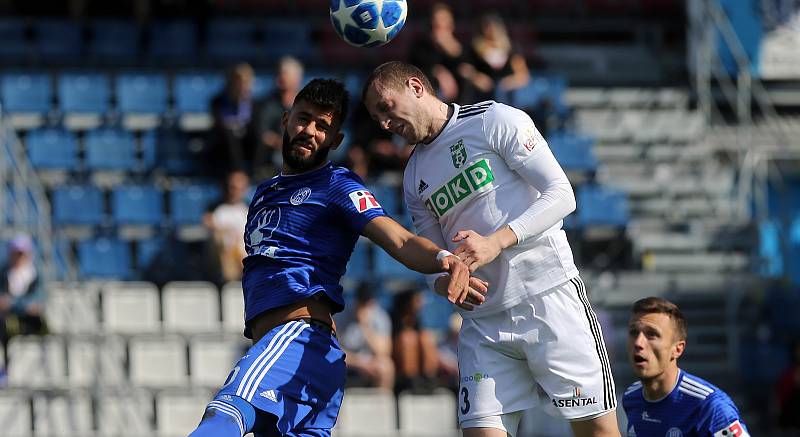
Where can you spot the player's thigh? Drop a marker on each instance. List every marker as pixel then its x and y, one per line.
pixel 504 425
pixel 494 377
pixel 603 426
pixel 569 359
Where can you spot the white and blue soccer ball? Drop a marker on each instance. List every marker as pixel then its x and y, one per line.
pixel 368 23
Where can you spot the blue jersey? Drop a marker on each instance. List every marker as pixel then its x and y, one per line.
pixel 694 408
pixel 300 233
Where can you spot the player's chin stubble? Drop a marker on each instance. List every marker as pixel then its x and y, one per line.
pixel 298 163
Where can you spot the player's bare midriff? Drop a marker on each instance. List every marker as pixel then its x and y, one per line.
pixel 309 308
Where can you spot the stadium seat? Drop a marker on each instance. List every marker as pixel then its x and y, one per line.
pixel 188 203
pixel 14 44
pixel 179 412
pixel 173 41
pixel 358 268
pixel 57 40
pixel 158 362
pixel 289 37
pixel 193 94
pixel 62 414
pixel 114 40
pixel 96 360
pixel 142 99
pixel 233 307
pixel 367 412
pixel 573 151
pixel 27 97
pixel 15 413
pixel 190 307
pixel 429 414
pixel 211 358
pixel 389 268
pixel 137 205
pixel 130 308
pixel 147 251
pixel 169 150
pixel 110 149
pixel 232 39
pixel 602 206
pixel 72 308
pixel 104 258
pixel 84 98
pixel 125 413
pixel 36 362
pixel 51 149
pixel 77 205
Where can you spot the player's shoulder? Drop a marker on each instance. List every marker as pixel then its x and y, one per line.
pixel 475 110
pixel 633 393
pixel 698 388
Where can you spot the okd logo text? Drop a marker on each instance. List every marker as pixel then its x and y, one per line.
pixel 460 187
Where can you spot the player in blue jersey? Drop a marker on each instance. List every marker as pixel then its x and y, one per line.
pixel 667 401
pixel 302 226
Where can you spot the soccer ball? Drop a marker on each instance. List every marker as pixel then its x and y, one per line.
pixel 368 23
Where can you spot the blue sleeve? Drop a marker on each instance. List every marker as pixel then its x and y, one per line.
pixel 721 418
pixel 349 196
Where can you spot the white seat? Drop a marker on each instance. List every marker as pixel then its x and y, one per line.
pixel 128 413
pixel 433 414
pixel 179 413
pixel 233 307
pixel 158 361
pixel 35 361
pixel 130 307
pixel 211 358
pixel 83 356
pixel 191 307
pixel 72 308
pixel 367 412
pixel 62 415
pixel 15 414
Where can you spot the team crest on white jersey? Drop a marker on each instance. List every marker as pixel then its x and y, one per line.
pixel 300 196
pixel 363 200
pixel 459 154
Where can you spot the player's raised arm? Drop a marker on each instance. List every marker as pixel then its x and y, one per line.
pixel 422 255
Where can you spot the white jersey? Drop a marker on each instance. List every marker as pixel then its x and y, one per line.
pixel 467 179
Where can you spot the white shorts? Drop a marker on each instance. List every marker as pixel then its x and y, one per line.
pixel 552 340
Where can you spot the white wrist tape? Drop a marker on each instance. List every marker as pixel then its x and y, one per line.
pixel 443 253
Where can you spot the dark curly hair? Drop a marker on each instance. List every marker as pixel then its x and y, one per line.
pixel 328 94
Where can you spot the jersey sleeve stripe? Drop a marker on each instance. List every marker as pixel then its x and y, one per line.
pixel 692 392
pixel 698 385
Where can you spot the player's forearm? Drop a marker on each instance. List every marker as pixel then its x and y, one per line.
pixel 419 254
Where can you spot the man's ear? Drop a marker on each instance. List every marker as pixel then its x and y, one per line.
pixel 416 86
pixel 678 348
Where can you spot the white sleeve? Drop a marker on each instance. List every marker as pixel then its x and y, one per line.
pixel 425 222
pixel 525 151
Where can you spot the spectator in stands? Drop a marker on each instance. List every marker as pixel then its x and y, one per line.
pixel 232 136
pixel 448 353
pixel 226 221
pixel 442 57
pixel 365 333
pixel 788 395
pixel 414 347
pixel 495 57
pixel 21 299
pixel 267 157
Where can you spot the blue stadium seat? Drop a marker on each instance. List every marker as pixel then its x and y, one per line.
pixel 13 42
pixel 388 268
pixel 289 37
pixel 193 92
pixel 142 93
pixel 540 89
pixel 77 205
pixel 115 40
pixel 188 203
pixel 52 149
pixel 388 197
pixel 104 258
pixel 263 85
pixel 232 39
pixel 358 268
pixel 110 149
pixel 84 92
pixel 137 205
pixel 23 92
pixel 573 151
pixel 169 150
pixel 602 206
pixel 174 40
pixel 58 40
pixel 146 251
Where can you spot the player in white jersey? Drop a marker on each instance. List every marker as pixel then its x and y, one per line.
pixel 484 182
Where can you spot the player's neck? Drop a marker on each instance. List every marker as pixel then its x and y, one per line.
pixel 289 171
pixel 440 116
pixel 661 386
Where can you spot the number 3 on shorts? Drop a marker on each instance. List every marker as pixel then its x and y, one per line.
pixel 465 394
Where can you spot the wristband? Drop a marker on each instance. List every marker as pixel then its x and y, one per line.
pixel 442 254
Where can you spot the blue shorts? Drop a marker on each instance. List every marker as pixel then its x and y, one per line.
pixel 296 372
